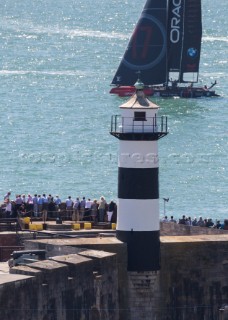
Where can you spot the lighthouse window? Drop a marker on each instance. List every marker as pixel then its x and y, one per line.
pixel 139 116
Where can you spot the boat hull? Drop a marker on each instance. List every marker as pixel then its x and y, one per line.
pixel 165 92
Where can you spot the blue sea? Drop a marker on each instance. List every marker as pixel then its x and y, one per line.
pixel 57 60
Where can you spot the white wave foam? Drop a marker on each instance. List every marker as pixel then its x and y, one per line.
pixel 94 34
pixel 31 30
pixel 211 38
pixel 33 72
pixel 78 33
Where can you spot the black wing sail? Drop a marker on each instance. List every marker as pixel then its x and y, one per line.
pixel 175 32
pixel 146 51
pixel 192 41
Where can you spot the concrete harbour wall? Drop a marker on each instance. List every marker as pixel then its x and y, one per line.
pixel 65 287
pixel 87 278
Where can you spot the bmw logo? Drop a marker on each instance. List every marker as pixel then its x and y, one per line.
pixel 192 52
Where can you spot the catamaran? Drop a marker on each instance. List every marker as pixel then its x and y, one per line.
pixel 164 52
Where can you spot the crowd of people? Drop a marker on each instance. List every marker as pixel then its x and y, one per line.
pixel 47 207
pixel 200 222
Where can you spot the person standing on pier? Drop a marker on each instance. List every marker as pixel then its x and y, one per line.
pixel 94 210
pixel 45 207
pixel 29 204
pixel 40 205
pixel 35 205
pixel 69 206
pixel 8 208
pixel 7 195
pixel 82 208
pixel 101 208
pixel 76 209
pixel 57 201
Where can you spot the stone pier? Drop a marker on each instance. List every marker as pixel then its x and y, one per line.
pixel 87 278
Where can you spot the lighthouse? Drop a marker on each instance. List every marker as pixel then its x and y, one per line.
pixel 138 129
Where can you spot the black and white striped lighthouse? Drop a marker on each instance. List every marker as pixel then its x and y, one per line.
pixel 138 129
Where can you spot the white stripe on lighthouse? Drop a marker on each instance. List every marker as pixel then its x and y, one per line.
pixel 138 154
pixel 138 215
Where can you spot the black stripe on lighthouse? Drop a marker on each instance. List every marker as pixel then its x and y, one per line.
pixel 135 183
pixel 143 249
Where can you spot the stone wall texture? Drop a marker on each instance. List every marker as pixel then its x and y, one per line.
pixel 87 279
pixel 9 241
pixel 194 278
pixel 73 286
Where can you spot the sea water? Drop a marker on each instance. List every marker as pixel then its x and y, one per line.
pixel 57 60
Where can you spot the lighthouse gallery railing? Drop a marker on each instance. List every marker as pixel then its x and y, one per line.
pixel 151 126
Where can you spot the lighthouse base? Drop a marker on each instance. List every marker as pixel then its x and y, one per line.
pixel 143 249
